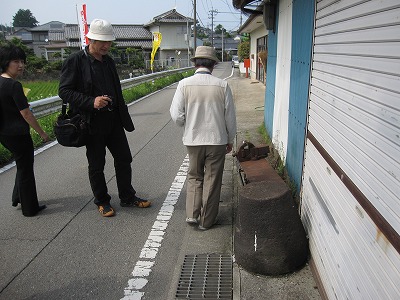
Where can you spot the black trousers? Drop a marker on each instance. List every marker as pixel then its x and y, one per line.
pixel 21 146
pixel 110 134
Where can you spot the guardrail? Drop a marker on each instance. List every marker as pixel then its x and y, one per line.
pixel 50 105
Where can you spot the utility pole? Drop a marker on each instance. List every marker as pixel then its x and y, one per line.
pixel 213 13
pixel 222 47
pixel 194 28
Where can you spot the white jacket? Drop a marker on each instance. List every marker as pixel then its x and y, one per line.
pixel 203 105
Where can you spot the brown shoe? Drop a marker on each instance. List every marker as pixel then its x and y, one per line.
pixel 106 210
pixel 136 201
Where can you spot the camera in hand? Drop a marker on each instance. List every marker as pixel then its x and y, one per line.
pixel 109 106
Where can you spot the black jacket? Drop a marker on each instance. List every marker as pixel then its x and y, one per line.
pixel 76 87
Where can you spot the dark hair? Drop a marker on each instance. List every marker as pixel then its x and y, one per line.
pixel 8 53
pixel 204 62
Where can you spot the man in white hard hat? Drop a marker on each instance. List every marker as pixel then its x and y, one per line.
pixel 90 84
pixel 203 106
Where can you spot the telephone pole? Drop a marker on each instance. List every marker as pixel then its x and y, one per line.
pixel 213 13
pixel 194 28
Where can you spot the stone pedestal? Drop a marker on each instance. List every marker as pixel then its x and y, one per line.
pixel 269 235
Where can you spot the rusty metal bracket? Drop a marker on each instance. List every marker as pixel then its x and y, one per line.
pixel 248 152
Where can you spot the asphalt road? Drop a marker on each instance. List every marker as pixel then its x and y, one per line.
pixel 69 251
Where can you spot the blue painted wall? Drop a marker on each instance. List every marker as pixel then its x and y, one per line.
pixel 302 34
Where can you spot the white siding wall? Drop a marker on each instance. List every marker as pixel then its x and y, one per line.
pixel 172 39
pixel 256 34
pixel 354 116
pixel 174 36
pixel 282 87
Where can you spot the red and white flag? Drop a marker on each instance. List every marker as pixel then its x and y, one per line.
pixel 83 26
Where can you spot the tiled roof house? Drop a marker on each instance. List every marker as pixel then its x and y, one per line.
pixel 174 27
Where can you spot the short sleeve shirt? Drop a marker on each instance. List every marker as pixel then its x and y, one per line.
pixel 12 101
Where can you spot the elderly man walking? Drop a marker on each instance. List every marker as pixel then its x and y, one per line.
pixel 204 107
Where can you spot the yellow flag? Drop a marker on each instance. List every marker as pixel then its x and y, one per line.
pixel 156 43
pixel 26 91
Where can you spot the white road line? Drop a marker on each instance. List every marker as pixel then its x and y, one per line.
pixel 142 269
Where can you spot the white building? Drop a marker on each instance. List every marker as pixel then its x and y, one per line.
pixel 332 109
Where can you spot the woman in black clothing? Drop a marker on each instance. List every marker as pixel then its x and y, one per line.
pixel 15 118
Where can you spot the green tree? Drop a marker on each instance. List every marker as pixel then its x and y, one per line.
pixel 201 32
pixel 244 50
pixel 115 53
pixel 17 42
pixel 219 28
pixel 67 52
pixel 57 55
pixel 24 18
pixel 129 51
pixel 135 58
pixel 35 63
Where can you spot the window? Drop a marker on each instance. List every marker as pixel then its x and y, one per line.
pixel 261 60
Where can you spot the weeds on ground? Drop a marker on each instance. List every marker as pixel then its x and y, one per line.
pixel 275 160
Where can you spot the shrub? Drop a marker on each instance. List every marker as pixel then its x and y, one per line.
pixel 244 50
pixel 34 63
pixel 56 65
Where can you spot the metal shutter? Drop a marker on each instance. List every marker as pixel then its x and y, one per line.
pixel 351 179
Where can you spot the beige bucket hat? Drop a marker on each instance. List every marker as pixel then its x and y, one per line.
pixel 205 52
pixel 101 30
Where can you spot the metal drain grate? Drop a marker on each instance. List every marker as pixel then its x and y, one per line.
pixel 205 276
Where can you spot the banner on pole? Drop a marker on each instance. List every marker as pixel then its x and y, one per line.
pixel 157 37
pixel 83 27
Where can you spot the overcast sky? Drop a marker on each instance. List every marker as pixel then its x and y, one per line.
pixel 123 11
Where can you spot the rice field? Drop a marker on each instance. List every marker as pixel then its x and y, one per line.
pixel 37 90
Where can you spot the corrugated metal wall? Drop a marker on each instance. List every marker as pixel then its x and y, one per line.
pixel 302 35
pixel 288 75
pixel 351 180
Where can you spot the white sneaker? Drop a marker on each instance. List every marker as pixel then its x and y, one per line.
pixel 191 220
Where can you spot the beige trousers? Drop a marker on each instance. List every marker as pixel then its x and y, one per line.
pixel 206 166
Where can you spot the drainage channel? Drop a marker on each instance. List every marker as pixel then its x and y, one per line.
pixel 205 276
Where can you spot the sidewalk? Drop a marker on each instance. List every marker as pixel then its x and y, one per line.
pixel 249 100
pixel 201 271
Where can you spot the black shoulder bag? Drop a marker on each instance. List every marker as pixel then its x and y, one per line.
pixel 70 131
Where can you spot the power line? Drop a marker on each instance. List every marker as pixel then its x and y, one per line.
pixel 205 6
